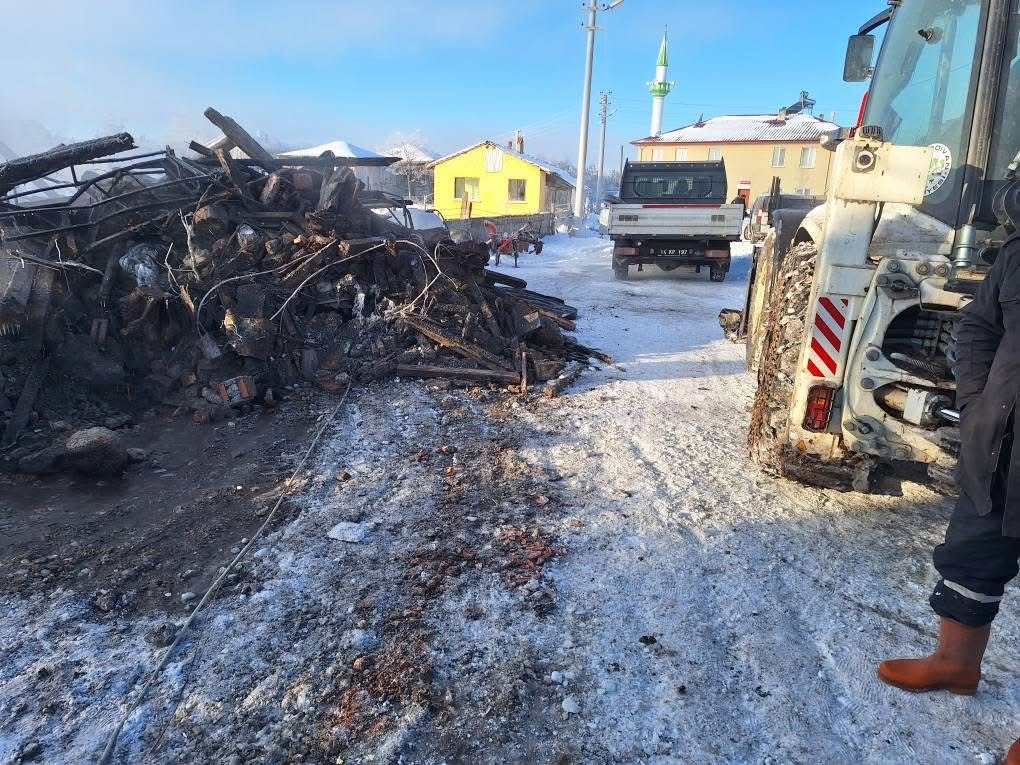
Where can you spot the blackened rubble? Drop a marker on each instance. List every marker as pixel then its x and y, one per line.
pixel 214 283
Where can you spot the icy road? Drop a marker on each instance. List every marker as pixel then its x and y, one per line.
pixel 770 604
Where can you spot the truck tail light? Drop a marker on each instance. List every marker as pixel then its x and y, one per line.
pixel 717 253
pixel 819 407
pixel 625 250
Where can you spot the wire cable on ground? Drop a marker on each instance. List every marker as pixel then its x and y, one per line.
pixel 209 593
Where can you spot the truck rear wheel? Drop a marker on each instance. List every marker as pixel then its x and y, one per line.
pixel 783 330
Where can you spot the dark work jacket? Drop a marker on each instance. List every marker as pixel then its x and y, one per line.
pixel 987 384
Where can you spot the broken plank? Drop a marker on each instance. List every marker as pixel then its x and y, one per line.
pixel 233 171
pixel 243 139
pixel 469 350
pixel 569 375
pixel 495 277
pixel 200 149
pixel 475 375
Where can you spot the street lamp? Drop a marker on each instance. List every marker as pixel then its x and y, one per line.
pixel 582 144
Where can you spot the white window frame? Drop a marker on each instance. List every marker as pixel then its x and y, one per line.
pixel 494 160
pixel 477 197
pixel 778 156
pixel 681 155
pixel 809 157
pixel 714 154
pixel 658 155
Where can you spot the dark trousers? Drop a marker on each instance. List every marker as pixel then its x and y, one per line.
pixel 976 561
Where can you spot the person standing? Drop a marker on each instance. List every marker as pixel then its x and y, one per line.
pixel 982 545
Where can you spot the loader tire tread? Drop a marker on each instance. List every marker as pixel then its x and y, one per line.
pixel 782 334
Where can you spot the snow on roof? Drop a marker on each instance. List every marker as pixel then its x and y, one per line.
pixel 339 149
pixel 410 153
pixel 540 164
pixel 747 128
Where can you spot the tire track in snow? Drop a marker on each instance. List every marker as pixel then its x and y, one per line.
pixel 744 581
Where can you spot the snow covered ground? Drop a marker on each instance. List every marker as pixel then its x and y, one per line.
pixel 601 578
pixel 769 603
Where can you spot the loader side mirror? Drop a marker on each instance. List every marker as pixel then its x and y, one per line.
pixel 860 52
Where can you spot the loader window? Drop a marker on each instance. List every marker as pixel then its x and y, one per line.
pixel 1006 137
pixel 924 83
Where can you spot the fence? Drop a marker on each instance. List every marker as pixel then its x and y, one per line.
pixel 473 229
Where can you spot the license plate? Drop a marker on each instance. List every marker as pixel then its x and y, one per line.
pixel 674 252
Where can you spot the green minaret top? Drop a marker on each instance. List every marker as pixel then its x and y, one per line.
pixel 663 53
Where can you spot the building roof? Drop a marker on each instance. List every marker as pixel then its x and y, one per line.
pixel 748 128
pixel 540 164
pixel 410 153
pixel 663 59
pixel 339 149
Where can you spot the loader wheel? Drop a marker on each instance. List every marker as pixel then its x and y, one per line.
pixel 768 439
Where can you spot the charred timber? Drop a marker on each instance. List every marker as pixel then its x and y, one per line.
pixel 35 166
pixel 243 140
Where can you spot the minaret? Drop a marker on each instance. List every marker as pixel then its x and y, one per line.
pixel 660 88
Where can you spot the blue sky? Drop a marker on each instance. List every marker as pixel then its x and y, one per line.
pixel 454 71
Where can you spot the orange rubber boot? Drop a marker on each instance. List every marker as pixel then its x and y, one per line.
pixel 1013 758
pixel 955 666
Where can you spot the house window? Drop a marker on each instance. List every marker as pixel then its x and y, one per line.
pixel 779 157
pixel 714 154
pixel 658 155
pixel 469 186
pixel 517 190
pixel 808 157
pixel 804 192
pixel 681 155
pixel 494 160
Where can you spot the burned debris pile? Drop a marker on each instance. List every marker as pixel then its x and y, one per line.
pixel 216 283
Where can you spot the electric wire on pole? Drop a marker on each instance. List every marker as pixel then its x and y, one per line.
pixel 604 116
pixel 592 9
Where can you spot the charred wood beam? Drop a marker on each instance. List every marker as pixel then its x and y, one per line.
pixel 233 171
pixel 201 150
pixel 243 139
pixel 557 386
pixel 494 277
pixel 35 166
pixel 319 162
pixel 436 334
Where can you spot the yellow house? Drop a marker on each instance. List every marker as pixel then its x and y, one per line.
pixel 497 180
pixel 755 147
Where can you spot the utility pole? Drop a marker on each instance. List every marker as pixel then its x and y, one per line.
pixel 604 118
pixel 592 7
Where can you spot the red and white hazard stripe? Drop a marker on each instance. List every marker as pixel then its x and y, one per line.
pixel 827 337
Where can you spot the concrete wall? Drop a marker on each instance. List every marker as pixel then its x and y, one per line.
pixel 753 162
